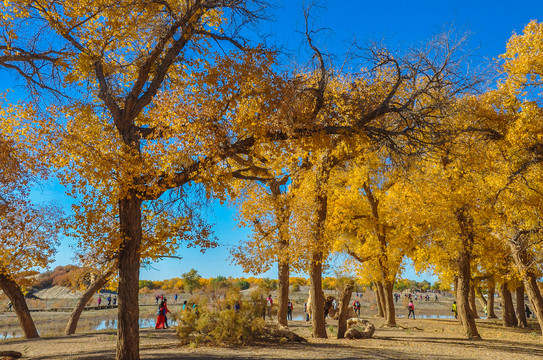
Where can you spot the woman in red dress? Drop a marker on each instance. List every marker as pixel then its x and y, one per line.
pixel 161 320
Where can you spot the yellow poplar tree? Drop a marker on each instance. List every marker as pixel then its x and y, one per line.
pixel 148 115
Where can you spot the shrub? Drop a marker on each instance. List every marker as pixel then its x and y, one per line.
pixel 269 284
pixel 220 323
pixel 242 284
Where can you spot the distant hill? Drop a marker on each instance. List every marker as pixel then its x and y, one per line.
pixel 56 292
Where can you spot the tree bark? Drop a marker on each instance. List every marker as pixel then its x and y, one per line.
pixel 456 295
pixel 508 310
pixel 491 294
pixel 534 294
pixel 472 305
pixel 83 301
pixel 464 311
pixel 390 314
pixel 317 258
pixel 282 215
pixel 317 304
pixel 465 223
pixel 380 294
pixel 15 295
pixel 519 249
pixel 344 310
pixel 129 270
pixel 282 290
pixel 521 314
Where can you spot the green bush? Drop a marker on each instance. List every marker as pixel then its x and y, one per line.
pixel 219 322
pixel 242 285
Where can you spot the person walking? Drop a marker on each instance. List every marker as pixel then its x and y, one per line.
pixel 269 304
pixel 455 310
pixel 411 308
pixel 99 300
pixel 290 307
pixel 356 307
pixel 527 310
pixel 162 320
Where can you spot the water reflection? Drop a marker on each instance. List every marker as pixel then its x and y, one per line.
pixel 430 316
pixel 144 323
pixel 107 324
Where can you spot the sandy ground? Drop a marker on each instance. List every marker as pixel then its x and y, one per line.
pixel 413 339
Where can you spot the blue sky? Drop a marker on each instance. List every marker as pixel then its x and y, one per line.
pixel 399 24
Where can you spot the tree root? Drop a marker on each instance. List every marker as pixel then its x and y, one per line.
pixel 354 333
pixel 283 332
pixel 9 355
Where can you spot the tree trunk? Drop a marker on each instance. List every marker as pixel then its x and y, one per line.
pixel 283 293
pixel 465 223
pixel 508 310
pixel 13 292
pixel 380 294
pixel 521 314
pixel 317 304
pixel 534 294
pixel 472 305
pixel 388 290
pixel 481 298
pixel 83 300
pixel 344 301
pixel 524 261
pixel 464 311
pixel 129 271
pixel 319 246
pixel 456 295
pixel 491 294
pixel 282 215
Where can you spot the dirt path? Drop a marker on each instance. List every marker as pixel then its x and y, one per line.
pixel 415 339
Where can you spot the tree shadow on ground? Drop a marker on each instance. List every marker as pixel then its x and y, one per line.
pixel 508 347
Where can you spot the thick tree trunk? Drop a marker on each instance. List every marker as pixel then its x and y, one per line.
pixel 390 314
pixel 521 314
pixel 508 310
pixel 465 223
pixel 83 301
pixel 283 293
pixel 519 249
pixel 317 304
pixel 319 247
pixel 380 294
pixel 344 301
pixel 462 299
pixel 129 271
pixel 472 305
pixel 13 292
pixel 490 303
pixel 534 294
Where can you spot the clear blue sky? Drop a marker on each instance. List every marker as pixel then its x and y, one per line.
pixel 397 23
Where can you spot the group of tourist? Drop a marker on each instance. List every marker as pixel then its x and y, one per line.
pixel 109 300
